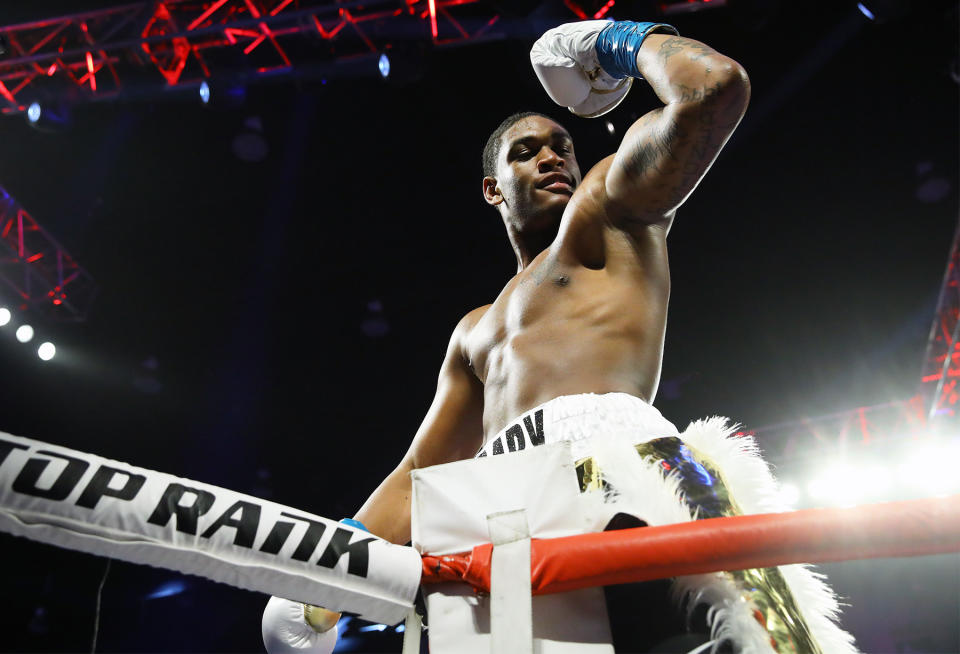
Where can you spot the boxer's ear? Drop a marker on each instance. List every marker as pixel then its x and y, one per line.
pixel 491 192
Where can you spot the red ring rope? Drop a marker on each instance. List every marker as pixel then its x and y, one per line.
pixel 909 528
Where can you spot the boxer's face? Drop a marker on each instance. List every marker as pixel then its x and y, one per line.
pixel 537 172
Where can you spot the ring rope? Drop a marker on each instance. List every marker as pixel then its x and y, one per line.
pixel 894 529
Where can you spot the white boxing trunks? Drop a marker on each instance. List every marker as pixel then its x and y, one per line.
pixel 646 471
pixel 579 419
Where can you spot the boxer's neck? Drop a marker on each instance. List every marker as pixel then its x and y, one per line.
pixel 529 243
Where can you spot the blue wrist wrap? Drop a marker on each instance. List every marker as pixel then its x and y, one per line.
pixel 618 43
pixel 350 522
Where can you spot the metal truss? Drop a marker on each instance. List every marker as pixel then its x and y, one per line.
pixel 941 370
pixel 99 54
pixel 933 412
pixel 42 275
pixel 864 426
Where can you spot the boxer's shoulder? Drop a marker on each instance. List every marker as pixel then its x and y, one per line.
pixel 465 334
pixel 469 322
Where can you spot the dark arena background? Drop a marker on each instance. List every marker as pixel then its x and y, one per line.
pixel 260 220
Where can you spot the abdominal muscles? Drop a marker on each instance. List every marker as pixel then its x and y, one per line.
pixel 594 336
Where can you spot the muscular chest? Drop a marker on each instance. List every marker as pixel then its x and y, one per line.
pixel 537 296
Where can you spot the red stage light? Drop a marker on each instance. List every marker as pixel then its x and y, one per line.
pixel 205 15
pixel 93 78
pixel 604 9
pixel 433 17
pixel 6 93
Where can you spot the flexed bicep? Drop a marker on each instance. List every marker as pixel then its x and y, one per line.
pixel 666 153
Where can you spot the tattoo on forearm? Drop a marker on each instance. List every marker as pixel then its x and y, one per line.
pixel 677 44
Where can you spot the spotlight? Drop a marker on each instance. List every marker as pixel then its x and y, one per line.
pixel 384 65
pixel 46 351
pixel 866 12
pixel 219 95
pixel 839 485
pixel 881 11
pixel 5 316
pixel 167 589
pixel 373 627
pixel 405 64
pixel 789 494
pixel 24 333
pixel 49 115
pixel 610 128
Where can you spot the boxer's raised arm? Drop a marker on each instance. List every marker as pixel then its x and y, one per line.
pixel 666 153
pixel 452 430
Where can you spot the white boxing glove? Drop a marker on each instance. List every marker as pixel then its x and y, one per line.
pixel 565 61
pixel 286 630
pixel 589 66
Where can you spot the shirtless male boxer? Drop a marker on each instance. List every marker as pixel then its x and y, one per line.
pixel 586 311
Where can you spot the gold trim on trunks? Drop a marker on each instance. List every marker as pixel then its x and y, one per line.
pixel 705 491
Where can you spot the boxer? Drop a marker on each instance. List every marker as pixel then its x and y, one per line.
pixel 586 311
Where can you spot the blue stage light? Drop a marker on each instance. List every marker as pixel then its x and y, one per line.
pixel 167 589
pixel 373 627
pixel 204 92
pixel 384 65
pixel 866 12
pixel 51 116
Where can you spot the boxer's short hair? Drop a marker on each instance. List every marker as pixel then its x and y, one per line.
pixel 491 151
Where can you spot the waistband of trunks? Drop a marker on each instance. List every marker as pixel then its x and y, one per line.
pixel 579 419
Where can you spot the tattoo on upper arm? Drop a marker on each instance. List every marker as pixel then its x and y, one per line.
pixel 674 153
pixel 689 93
pixel 650 153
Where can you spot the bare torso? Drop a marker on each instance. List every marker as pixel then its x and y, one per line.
pixel 587 315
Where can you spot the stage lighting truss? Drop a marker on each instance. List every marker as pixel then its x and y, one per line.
pixel 180 42
pixel 933 413
pixel 941 371
pixel 42 275
pixel 879 425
